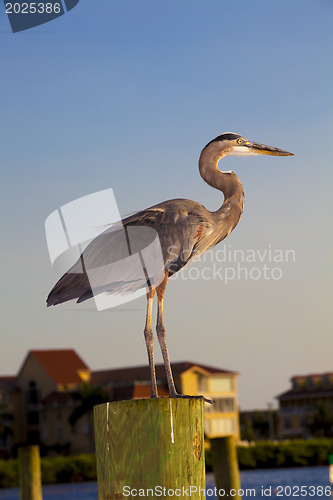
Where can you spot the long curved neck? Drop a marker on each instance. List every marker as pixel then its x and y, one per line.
pixel 227 182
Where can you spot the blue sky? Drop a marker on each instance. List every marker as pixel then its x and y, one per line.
pixel 125 94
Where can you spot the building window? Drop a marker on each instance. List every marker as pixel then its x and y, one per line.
pixel 33 418
pixel 310 382
pixel 59 415
pixel 45 434
pixel 220 384
pixel 4 397
pixel 85 429
pixel 33 437
pixel 294 383
pixel 303 422
pixel 222 426
pixel 287 423
pixel 33 393
pixel 225 405
pixel 5 441
pixel 202 383
pixel 59 434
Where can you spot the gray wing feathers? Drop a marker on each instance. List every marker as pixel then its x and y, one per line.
pixel 122 258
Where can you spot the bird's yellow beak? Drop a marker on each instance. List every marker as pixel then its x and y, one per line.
pixel 261 149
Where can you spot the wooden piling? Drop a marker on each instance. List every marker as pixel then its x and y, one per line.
pixel 30 473
pixel 150 444
pixel 225 466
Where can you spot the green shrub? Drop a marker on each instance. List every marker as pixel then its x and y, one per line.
pixel 8 473
pixel 265 455
pixel 54 470
pixel 68 469
pixel 49 474
pixel 246 457
pixel 258 456
pixel 296 453
pixel 320 449
pixel 87 466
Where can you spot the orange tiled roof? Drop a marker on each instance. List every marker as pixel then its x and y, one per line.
pixel 61 364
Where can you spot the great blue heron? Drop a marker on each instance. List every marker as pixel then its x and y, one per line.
pixel 185 228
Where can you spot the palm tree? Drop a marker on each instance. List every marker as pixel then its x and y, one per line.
pixel 320 422
pixel 87 397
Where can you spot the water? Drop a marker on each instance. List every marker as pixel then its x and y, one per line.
pixel 280 484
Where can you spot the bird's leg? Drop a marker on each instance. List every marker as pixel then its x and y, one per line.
pixel 148 333
pixel 161 337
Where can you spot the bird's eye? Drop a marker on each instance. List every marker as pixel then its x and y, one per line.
pixel 239 141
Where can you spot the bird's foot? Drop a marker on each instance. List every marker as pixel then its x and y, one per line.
pixel 184 396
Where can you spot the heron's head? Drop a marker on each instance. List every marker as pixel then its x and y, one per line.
pixel 235 145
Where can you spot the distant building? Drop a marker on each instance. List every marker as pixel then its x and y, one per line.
pixel 39 401
pixel 35 406
pixel 221 419
pixel 299 402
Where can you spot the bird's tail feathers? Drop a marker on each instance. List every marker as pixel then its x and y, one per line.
pixel 70 286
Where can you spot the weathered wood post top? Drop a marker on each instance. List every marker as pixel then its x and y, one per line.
pixel 150 446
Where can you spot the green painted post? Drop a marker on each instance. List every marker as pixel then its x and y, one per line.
pixel 152 445
pixel 30 473
pixel 225 466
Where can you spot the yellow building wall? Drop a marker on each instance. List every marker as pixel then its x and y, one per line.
pixel 189 383
pixel 209 384
pixel 229 386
